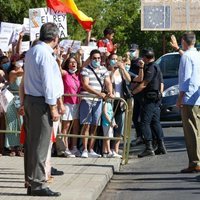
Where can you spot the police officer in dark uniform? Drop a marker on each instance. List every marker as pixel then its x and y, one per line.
pixel 133 71
pixel 151 88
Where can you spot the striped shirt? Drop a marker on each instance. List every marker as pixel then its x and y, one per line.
pixel 101 72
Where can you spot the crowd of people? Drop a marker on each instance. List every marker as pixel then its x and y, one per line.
pixel 57 92
pixel 61 93
pixel 102 74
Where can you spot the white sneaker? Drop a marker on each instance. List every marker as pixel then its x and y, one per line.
pixel 93 154
pixel 116 155
pixel 68 154
pixel 110 155
pixel 84 154
pixel 76 152
pixel 105 155
pixel 60 153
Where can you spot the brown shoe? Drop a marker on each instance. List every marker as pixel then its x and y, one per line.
pixel 195 169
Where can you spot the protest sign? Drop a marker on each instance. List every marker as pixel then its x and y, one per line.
pixel 4 40
pixel 39 16
pixel 86 51
pixel 26 26
pixel 25 46
pixel 8 28
pixel 74 44
pixel 5 98
pixel 12 30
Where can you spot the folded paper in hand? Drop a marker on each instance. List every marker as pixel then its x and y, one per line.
pixel 5 98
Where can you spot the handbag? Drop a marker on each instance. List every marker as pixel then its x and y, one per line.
pixel 103 89
pixel 126 91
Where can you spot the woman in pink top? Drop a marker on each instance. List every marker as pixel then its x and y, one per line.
pixel 72 85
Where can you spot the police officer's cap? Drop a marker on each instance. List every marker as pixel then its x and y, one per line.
pixel 148 53
pixel 134 47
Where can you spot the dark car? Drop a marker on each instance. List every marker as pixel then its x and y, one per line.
pixel 169 65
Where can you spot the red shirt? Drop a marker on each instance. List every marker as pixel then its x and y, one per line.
pixel 106 43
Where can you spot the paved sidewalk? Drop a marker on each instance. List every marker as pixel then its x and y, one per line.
pixel 157 177
pixel 84 179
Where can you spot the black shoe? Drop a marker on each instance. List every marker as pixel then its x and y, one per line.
pixel 29 190
pixel 145 153
pixel 160 151
pixel 55 172
pixel 161 148
pixel 45 192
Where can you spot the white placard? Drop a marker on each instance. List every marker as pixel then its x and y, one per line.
pixel 87 50
pixel 4 40
pixel 8 28
pixel 5 98
pixel 74 44
pixel 25 46
pixel 40 16
pixel 26 26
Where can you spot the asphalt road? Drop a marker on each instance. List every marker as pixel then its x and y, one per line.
pixel 157 177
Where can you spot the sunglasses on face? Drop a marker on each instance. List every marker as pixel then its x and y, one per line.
pixel 92 40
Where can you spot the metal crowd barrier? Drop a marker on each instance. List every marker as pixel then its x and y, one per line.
pixel 127 126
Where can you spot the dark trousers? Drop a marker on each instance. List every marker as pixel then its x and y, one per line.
pixel 150 121
pixel 136 116
pixel 2 127
pixel 38 125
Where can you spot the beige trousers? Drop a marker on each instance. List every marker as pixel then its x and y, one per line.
pixel 191 127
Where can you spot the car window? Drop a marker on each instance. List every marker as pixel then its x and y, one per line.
pixel 169 65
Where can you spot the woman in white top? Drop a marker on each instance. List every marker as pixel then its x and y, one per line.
pixel 118 73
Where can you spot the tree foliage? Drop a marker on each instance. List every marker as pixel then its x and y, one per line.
pixel 122 15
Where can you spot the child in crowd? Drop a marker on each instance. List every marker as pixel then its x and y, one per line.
pixel 108 124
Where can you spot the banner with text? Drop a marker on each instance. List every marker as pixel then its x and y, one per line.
pixel 73 44
pixel 11 30
pixel 40 16
pixel 4 40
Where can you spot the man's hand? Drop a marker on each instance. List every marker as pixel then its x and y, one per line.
pixel 61 109
pixel 174 43
pixel 179 102
pixel 141 63
pixel 110 95
pixel 21 111
pixel 54 113
pixel 102 95
pixel 21 35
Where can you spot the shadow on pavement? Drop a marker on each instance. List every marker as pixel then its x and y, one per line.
pixel 159 189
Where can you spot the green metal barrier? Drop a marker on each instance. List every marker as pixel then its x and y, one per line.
pixel 127 127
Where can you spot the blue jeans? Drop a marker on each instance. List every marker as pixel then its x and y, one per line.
pixel 150 121
pixel 90 112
